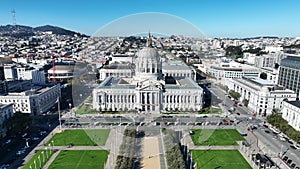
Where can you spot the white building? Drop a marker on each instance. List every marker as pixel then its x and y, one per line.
pixel 263 95
pixel 6 112
pixel 291 113
pixel 232 70
pixel 66 71
pixel 121 58
pixel 21 72
pixel 272 74
pixel 117 70
pixel 35 100
pixel 172 68
pixel 177 68
pixel 148 91
pixel 10 72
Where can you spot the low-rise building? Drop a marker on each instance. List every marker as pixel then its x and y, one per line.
pixel 125 70
pixel 232 70
pixel 24 72
pixel 263 96
pixel 65 72
pixel 291 113
pixel 6 112
pixel 34 99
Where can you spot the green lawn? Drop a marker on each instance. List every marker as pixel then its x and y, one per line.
pixel 223 159
pixel 44 157
pixel 80 138
pixel 77 159
pixel 211 110
pixel 216 137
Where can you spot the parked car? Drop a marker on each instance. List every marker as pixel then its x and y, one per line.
pixel 285 158
pixel 35 138
pixel 191 132
pixel 289 162
pixel 243 134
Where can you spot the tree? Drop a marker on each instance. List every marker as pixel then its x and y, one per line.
pixel 263 76
pixel 234 94
pixel 224 87
pixel 234 51
pixel 17 123
pixel 245 102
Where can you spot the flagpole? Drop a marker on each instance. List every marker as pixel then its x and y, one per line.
pixel 58 106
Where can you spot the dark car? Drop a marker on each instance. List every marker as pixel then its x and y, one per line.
pixel 267 131
pixel 285 158
pixel 243 134
pixel 289 162
pixel 191 132
pixel 293 147
pixel 293 165
pixel 289 141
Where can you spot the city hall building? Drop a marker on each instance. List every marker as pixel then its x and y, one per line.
pixel 148 90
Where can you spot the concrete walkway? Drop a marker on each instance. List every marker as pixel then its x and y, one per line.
pixel 52 158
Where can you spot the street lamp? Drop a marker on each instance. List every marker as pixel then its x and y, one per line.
pixel 52 145
pixel 46 152
pixel 40 161
pixel 43 157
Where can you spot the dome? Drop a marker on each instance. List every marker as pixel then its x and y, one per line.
pixel 148 52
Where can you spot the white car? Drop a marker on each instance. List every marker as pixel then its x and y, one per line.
pixel 20 152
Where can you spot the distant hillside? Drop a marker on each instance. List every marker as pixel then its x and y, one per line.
pixel 55 30
pixel 27 31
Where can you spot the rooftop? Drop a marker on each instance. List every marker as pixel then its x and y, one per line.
pixel 175 65
pixel 260 81
pixel 295 103
pixel 2 106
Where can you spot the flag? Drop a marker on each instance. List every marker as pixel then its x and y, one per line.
pixel 57 100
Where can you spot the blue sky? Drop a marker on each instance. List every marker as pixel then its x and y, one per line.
pixel 215 18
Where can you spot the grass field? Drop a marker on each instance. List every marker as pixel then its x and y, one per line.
pixel 80 138
pixel 225 159
pixel 80 159
pixel 217 137
pixel 44 157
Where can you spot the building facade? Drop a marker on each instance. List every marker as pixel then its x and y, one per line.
pixel 272 74
pixel 148 90
pixel 23 72
pixel 36 100
pixel 227 72
pixel 291 113
pixel 289 73
pixel 127 70
pixel 263 96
